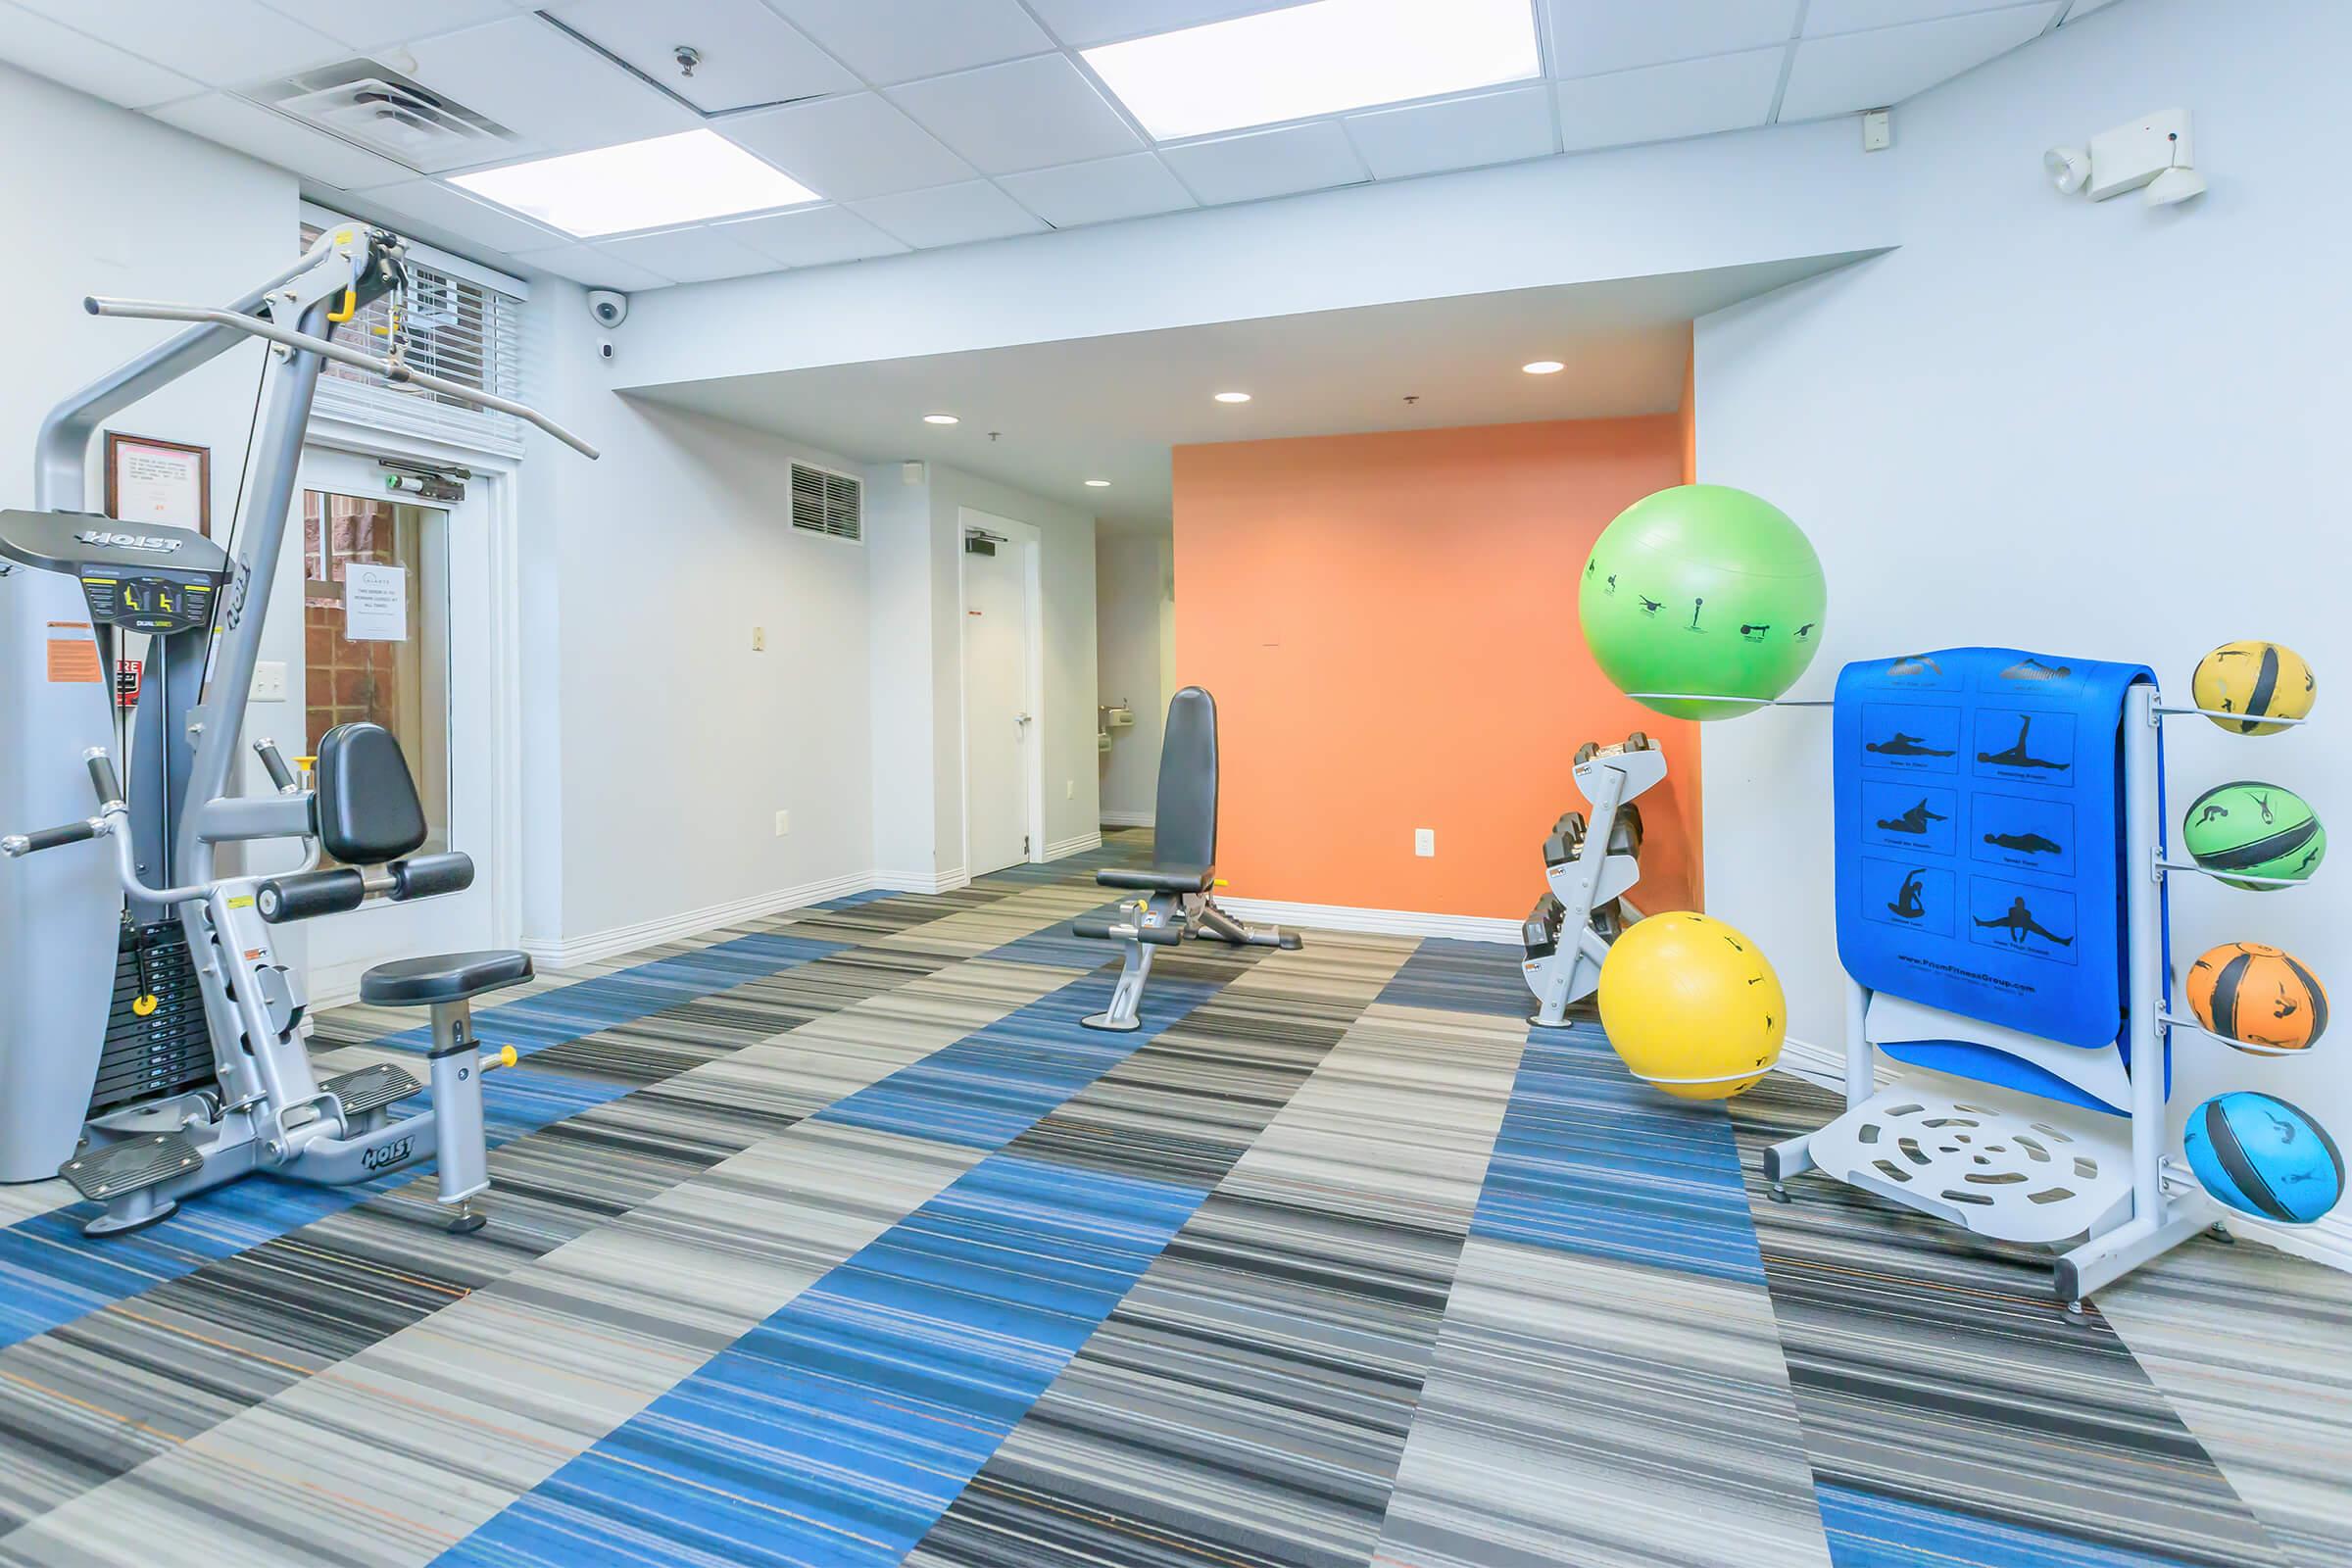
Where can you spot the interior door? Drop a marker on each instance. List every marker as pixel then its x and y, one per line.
pixel 396 602
pixel 998 727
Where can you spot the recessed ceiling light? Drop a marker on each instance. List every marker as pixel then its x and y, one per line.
pixel 1544 368
pixel 941 419
pixel 1233 397
pixel 1317 58
pixel 683 178
pixel 1098 484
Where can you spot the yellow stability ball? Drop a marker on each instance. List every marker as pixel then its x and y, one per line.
pixel 1693 1005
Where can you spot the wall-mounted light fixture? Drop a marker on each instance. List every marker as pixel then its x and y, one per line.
pixel 2154 154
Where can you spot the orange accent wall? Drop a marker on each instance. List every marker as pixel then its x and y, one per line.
pixel 1389 625
pixel 1690 411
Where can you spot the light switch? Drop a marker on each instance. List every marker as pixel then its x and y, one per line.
pixel 1425 841
pixel 270 680
pixel 783 824
pixel 759 639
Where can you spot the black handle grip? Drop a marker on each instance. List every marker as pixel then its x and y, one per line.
pixel 103 779
pixel 431 875
pixel 281 774
pixel 49 838
pixel 306 894
pixel 1159 936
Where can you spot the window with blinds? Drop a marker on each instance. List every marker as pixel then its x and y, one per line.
pixel 825 502
pixel 457 329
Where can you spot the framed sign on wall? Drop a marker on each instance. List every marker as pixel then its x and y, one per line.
pixel 148 480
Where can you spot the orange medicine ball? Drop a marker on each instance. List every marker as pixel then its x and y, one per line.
pixel 2245 991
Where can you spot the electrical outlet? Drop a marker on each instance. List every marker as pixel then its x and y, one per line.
pixel 1425 841
pixel 269 681
pixel 783 824
pixel 1877 133
pixel 1069 789
pixel 759 639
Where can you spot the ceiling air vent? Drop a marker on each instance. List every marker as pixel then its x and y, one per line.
pixel 824 503
pixel 371 105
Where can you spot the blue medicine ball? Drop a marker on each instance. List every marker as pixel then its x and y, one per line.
pixel 2264 1158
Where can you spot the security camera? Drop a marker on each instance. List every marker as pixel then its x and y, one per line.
pixel 609 307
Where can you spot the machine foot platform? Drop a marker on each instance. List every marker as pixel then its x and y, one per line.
pixel 1104 1022
pixel 147 1161
pixel 367 1089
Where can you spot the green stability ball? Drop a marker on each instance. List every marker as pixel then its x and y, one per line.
pixel 2254 828
pixel 1703 589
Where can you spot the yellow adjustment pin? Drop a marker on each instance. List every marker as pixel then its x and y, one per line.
pixel 348 309
pixel 505 1057
pixel 144 1007
pixel 1219 882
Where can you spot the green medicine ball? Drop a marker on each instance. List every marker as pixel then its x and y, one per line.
pixel 1707 590
pixel 2260 829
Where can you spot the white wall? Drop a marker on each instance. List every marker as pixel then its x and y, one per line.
pixel 663 745
pixel 1134 613
pixel 915 685
pixel 1718 201
pixel 2101 430
pixel 102 201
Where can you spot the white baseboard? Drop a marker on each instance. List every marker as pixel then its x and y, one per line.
pixel 565 954
pixel 2327 1242
pixel 1112 818
pixel 1381 923
pixel 947 881
pixel 1075 844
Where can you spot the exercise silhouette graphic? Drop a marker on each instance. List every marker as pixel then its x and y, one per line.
pixel 2017 756
pixel 1915 820
pixel 2018 922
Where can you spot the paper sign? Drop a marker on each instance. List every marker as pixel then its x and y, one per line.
pixel 156 483
pixel 73 660
pixel 375 604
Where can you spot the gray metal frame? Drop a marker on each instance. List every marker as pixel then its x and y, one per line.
pixel 267 1111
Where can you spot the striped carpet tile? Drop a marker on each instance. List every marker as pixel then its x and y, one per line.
pixel 2213 1326
pixel 1586 1411
pixel 1249 1401
pixel 536 1184
pixel 1591 1160
pixel 1934 1370
pixel 1461 977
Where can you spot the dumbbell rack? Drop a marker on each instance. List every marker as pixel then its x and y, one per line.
pixel 1591 864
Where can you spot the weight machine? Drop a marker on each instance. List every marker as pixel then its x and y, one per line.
pixel 149 1038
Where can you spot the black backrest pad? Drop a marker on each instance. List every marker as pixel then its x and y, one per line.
pixel 368 809
pixel 1185 821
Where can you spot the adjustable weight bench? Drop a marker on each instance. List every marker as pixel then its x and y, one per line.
pixel 1184 864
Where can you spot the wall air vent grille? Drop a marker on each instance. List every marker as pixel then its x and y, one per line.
pixel 371 105
pixel 830 504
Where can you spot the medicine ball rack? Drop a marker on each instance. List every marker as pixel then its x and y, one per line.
pixel 2157 1204
pixel 1589 863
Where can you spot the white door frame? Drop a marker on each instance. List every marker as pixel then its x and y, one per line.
pixel 1031 543
pixel 499 870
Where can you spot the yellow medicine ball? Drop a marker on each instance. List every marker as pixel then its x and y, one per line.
pixel 2260 681
pixel 1693 1005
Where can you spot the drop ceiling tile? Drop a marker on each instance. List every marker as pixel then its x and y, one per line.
pixel 689 254
pixel 1866 69
pixel 275 139
pixel 1026 114
pixel 1659 103
pixel 554 92
pixel 749 53
pixel 813 236
pixel 54 50
pixel 1083 22
pixel 914 38
pixel 1498 127
pixel 1267 162
pixel 224 43
pixel 586 264
pixel 366 25
pixel 847 148
pixel 1591 36
pixel 461 213
pixel 952 215
pixel 1824 17
pixel 1130 185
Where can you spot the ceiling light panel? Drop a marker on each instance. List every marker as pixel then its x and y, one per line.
pixel 1316 58
pixel 686 179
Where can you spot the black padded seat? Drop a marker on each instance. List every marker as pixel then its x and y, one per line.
pixel 443 977
pixel 1159 878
